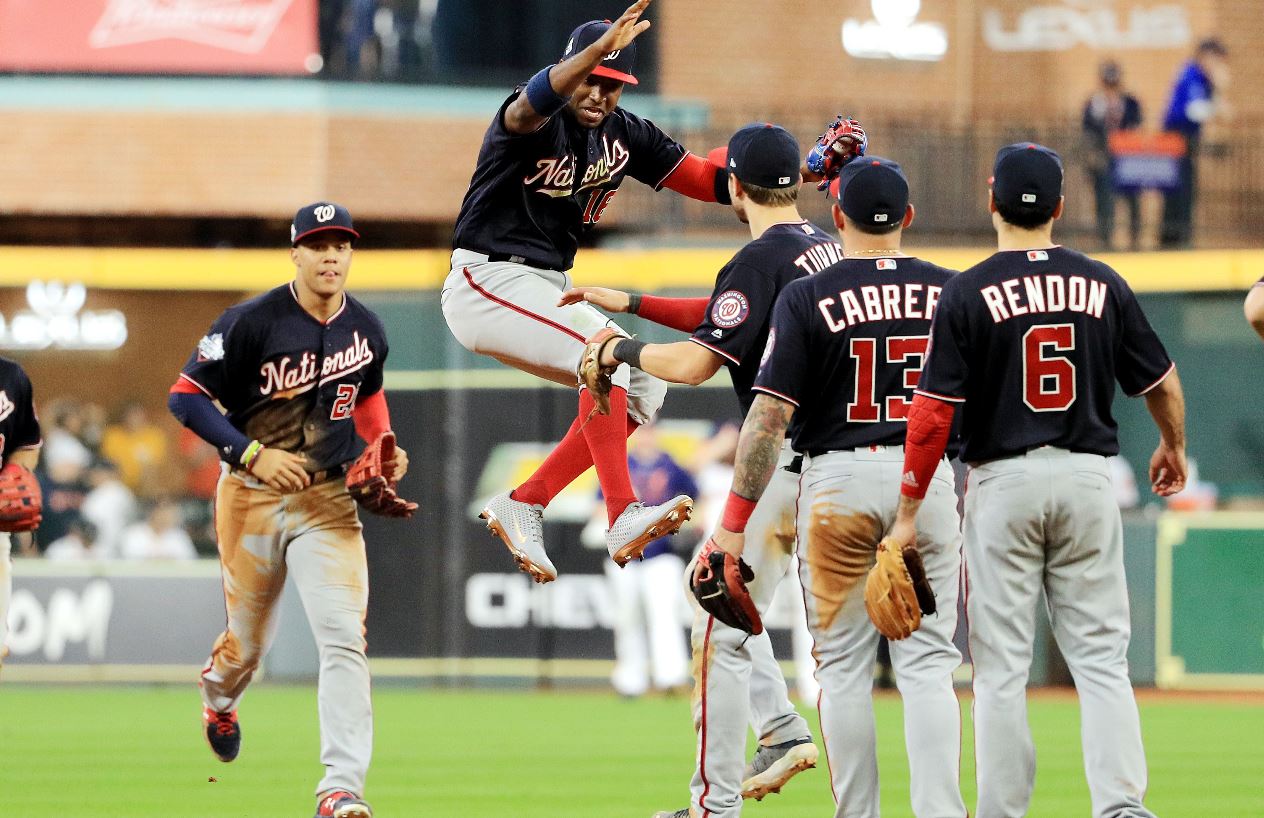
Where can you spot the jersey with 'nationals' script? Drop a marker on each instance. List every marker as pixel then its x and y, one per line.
pixel 533 195
pixel 738 316
pixel 288 380
pixel 846 347
pixel 1033 342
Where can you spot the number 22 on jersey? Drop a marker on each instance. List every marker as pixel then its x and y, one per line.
pixel 908 351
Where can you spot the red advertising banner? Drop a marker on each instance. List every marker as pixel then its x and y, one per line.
pixel 159 36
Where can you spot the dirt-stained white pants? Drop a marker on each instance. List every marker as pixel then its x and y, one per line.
pixel 737 680
pixel 847 502
pixel 315 536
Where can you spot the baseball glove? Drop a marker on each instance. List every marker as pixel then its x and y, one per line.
pixel 842 142
pixel 718 582
pixel 372 480
pixel 20 501
pixel 592 374
pixel 897 592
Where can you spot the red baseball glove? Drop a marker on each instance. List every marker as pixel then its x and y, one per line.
pixel 372 480
pixel 20 500
pixel 843 141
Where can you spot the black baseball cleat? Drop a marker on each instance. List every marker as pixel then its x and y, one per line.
pixel 223 733
pixel 342 804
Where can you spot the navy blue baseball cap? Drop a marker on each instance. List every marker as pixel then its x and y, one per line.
pixel 766 155
pixel 1027 178
pixel 617 65
pixel 319 216
pixel 873 191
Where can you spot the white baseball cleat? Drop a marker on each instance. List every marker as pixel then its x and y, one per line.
pixel 639 525
pixel 773 766
pixel 521 527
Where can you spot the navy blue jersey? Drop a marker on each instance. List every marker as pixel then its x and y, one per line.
pixel 1033 342
pixel 736 325
pixel 286 379
pixel 19 428
pixel 846 347
pixel 533 195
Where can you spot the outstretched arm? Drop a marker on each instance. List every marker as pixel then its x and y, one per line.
pixel 684 314
pixel 560 81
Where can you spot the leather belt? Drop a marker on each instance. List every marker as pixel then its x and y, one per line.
pixel 516 259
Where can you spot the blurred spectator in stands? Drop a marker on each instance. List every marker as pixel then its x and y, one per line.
pixel 1197 96
pixel 360 44
pixel 201 465
pixel 650 647
pixel 109 506
pixel 92 425
pixel 1110 109
pixel 139 448
pixel 160 536
pixel 62 484
pixel 77 544
pixel 62 444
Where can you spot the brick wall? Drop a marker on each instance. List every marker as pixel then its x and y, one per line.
pixel 778 60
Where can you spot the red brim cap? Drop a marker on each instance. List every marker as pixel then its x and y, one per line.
pixel 602 71
pixel 301 236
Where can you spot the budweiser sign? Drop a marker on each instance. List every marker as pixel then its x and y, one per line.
pixel 236 25
pixel 159 36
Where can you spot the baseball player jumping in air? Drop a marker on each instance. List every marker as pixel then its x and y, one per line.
pixel 1031 343
pixel 551 162
pixel 299 372
pixel 20 500
pixel 738 681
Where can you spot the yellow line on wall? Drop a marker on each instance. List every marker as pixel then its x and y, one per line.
pixel 649 270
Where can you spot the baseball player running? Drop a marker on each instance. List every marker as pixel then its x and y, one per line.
pixel 843 354
pixel 737 679
pixel 299 371
pixel 20 501
pixel 550 164
pixel 1031 342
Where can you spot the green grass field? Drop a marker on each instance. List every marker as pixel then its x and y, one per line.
pixel 137 752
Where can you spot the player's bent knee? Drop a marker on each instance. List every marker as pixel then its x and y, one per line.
pixel 645 396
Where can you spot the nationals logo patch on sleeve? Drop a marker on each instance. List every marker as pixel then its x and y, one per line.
pixel 730 309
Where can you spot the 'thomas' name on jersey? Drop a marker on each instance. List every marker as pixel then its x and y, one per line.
pixel 1033 342
pixel 846 348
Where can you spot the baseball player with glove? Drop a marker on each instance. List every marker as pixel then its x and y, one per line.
pixel 1032 342
pixel 299 372
pixel 550 164
pixel 20 501
pixel 738 681
pixel 843 354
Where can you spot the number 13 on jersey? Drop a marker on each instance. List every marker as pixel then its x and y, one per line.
pixel 905 351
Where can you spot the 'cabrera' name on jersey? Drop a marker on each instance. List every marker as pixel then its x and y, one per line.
pixel 1034 342
pixel 289 381
pixel 19 428
pixel 533 195
pixel 844 338
pixel 741 307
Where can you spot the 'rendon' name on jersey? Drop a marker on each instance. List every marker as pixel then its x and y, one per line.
pixel 1048 292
